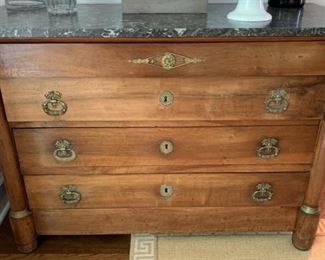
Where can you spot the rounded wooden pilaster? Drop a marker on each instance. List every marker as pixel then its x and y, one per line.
pixel 20 217
pixel 308 214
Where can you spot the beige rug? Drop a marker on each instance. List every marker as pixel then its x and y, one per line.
pixel 223 247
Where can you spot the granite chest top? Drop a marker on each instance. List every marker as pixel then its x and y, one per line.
pixel 107 21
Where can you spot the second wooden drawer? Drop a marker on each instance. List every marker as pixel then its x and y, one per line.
pixel 162 100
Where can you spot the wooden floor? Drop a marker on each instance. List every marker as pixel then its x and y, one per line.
pixel 82 247
pixel 68 247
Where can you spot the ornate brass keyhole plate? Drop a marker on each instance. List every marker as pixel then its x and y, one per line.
pixel 166 98
pixel 166 190
pixel 166 147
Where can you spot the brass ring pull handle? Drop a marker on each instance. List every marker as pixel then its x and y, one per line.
pixel 263 192
pixel 54 106
pixel 268 149
pixel 63 151
pixel 166 147
pixel 166 98
pixel 166 190
pixel 167 61
pixel 277 102
pixel 69 194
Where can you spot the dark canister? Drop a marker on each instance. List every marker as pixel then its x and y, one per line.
pixel 287 3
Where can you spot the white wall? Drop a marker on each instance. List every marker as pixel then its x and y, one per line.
pixel 321 2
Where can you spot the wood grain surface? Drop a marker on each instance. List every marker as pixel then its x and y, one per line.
pixel 100 150
pixel 189 190
pixel 167 220
pixel 137 99
pixel 306 225
pixel 23 228
pixel 204 123
pixel 112 60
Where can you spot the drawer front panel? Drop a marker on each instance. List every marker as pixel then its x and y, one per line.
pixel 154 60
pixel 163 220
pixel 91 149
pixel 165 99
pixel 165 190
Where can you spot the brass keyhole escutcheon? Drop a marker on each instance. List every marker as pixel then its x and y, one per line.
pixel 166 147
pixel 166 190
pixel 166 98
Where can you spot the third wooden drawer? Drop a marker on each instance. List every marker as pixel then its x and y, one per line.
pixel 166 190
pixel 153 150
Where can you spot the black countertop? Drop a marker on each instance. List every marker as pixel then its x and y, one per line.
pixel 107 21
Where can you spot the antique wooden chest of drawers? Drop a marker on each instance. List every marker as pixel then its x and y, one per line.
pixel 200 136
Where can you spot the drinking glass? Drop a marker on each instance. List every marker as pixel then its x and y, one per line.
pixel 24 4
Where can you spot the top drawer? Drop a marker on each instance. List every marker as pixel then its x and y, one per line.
pixel 160 60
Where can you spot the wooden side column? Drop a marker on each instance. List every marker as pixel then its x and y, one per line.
pixel 20 217
pixel 309 213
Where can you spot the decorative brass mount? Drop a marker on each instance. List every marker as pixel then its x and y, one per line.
pixel 263 192
pixel 69 194
pixel 54 105
pixel 268 149
pixel 63 151
pixel 277 102
pixel 167 61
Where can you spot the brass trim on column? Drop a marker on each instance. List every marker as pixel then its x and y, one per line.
pixel 309 210
pixel 20 214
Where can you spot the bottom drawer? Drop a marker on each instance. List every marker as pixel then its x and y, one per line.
pixel 163 220
pixel 166 190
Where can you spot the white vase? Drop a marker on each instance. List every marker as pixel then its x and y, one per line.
pixel 250 11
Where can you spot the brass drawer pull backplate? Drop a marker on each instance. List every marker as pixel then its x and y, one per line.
pixel 268 149
pixel 263 192
pixel 277 102
pixel 54 106
pixel 63 151
pixel 69 194
pixel 167 61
